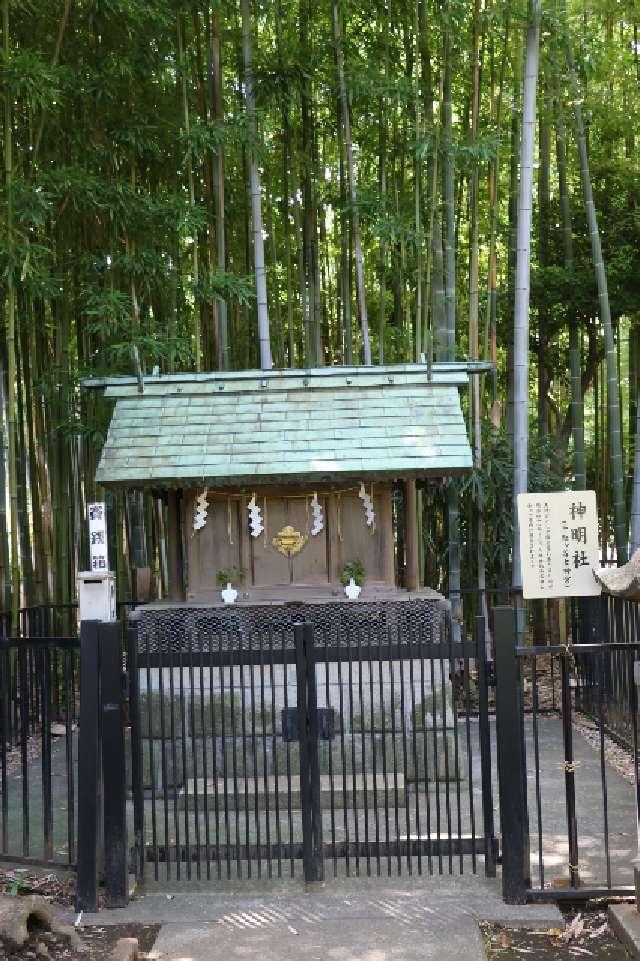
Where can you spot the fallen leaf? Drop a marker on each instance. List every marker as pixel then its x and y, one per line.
pixel 504 940
pixel 574 930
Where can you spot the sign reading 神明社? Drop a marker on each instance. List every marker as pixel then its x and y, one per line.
pixel 559 545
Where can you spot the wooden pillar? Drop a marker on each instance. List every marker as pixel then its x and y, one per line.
pixel 412 574
pixel 174 568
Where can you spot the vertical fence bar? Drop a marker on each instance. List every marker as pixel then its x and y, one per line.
pixel 113 768
pixel 314 760
pixel 514 817
pixel 5 741
pixel 23 669
pixel 485 750
pixel 136 743
pixel 44 661
pixel 89 778
pixel 305 787
pixel 163 769
pixel 69 757
pixel 569 772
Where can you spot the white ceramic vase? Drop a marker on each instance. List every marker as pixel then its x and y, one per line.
pixel 352 590
pixel 229 594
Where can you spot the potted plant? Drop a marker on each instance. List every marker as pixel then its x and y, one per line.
pixel 352 578
pixel 226 578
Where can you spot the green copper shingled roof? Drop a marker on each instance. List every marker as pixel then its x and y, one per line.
pixel 285 427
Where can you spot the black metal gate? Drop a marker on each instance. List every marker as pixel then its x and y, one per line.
pixel 360 747
pixel 569 800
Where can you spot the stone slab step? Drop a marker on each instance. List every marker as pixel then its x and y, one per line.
pixel 352 791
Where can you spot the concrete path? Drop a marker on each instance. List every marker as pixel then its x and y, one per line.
pixel 433 919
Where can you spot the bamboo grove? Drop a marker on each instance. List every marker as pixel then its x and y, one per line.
pixel 198 186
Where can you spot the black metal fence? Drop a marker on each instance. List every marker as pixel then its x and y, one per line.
pixel 306 750
pixel 605 686
pixel 39 721
pixel 39 703
pixel 360 745
pixel 584 846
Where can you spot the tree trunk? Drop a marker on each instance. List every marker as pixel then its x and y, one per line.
pixel 635 495
pixel 353 192
pixel 192 199
pixel 256 204
pixel 613 384
pixel 575 362
pixel 382 187
pixel 523 278
pixel 11 336
pixel 217 106
pixel 453 507
pixel 449 203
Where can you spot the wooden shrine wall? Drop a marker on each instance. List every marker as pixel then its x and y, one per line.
pixel 225 541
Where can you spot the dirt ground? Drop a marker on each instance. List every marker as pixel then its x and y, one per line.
pixel 97 943
pixel 586 934
pixel 97 940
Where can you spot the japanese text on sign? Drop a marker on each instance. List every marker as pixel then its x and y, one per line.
pixel 97 515
pixel 558 544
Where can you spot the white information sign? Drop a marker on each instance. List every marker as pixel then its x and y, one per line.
pixel 558 544
pixel 97 515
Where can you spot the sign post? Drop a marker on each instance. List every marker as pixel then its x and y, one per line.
pixel 559 550
pixel 97 587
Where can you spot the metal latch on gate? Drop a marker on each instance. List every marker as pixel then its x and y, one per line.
pixel 326 723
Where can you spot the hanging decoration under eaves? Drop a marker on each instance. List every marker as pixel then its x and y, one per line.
pixel 367 503
pixel 317 524
pixel 200 513
pixel 256 525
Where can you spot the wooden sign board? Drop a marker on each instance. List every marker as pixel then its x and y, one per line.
pixel 559 545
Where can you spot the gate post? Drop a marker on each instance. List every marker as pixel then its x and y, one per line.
pixel 309 764
pixel 101 815
pixel 113 768
pixel 89 773
pixel 512 773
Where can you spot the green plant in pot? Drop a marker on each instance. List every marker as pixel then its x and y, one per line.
pixel 227 578
pixel 352 578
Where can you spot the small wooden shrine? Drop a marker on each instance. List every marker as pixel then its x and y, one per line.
pixel 283 478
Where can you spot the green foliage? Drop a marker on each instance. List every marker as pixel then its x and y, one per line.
pixel 29 78
pixel 109 252
pixel 491 489
pixel 18 884
pixel 222 285
pixel 230 575
pixel 355 570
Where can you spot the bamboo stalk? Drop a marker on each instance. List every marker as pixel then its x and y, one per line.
pixel 613 385
pixel 523 275
pixel 353 190
pixel 11 334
